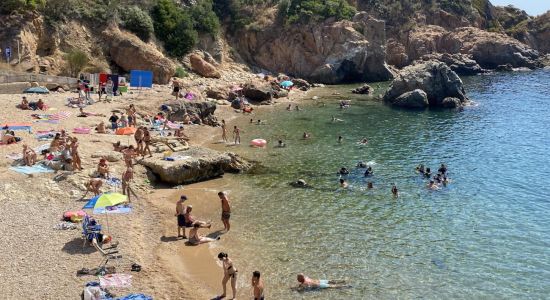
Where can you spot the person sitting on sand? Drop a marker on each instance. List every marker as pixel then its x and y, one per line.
pixel 123 120
pixel 196 239
pixel 118 147
pixel 29 156
pixel 101 127
pixel 41 105
pixel 308 283
pixel 103 168
pixel 343 171
pixel 180 134
pixel 8 138
pixel 248 109
pixel 432 185
pixel 82 114
pixel 191 221
pixel 369 172
pixel 24 104
pixel 93 186
pixel 343 183
pixel 394 190
pixel 187 119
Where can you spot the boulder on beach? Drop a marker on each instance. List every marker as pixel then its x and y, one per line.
pixel 205 110
pixel 202 67
pixel 258 92
pixel 434 78
pixel 194 165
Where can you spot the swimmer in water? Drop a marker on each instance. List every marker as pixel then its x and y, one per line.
pixel 334 119
pixel 442 169
pixel 343 183
pixel 281 144
pixel 289 107
pixel 394 190
pixel 306 135
pixel 361 164
pixel 340 139
pixel 297 108
pixel 343 171
pixel 432 185
pixel 369 185
pixel 428 173
pixel 420 169
pixel 308 283
pixel 368 172
pixel 364 141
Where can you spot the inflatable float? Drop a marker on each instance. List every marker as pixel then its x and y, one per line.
pixel 258 143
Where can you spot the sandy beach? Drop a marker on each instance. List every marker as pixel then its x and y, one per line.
pixel 34 254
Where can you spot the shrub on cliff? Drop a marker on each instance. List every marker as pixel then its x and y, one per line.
pixel 76 61
pixel 174 27
pixel 8 6
pixel 305 11
pixel 137 21
pixel 205 20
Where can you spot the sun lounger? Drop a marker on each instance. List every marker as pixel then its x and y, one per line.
pixel 89 230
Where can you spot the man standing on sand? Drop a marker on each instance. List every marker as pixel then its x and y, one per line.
pixel 237 134
pixel 224 131
pixel 180 214
pixel 127 176
pixel 226 210
pixel 258 286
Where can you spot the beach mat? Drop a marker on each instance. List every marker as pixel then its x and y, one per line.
pixel 135 297
pixel 19 155
pixel 32 169
pixel 16 126
pixel 116 281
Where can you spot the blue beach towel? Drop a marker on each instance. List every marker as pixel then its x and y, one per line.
pixel 135 297
pixel 32 169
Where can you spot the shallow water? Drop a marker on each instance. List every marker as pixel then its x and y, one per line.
pixel 486 235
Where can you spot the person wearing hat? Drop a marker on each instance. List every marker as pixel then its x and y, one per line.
pixel 180 214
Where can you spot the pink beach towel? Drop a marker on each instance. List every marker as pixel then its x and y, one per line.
pixel 116 281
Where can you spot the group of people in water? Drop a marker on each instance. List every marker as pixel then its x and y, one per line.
pixel 438 179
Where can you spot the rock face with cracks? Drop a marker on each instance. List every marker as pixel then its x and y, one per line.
pixel 194 165
pixel 434 78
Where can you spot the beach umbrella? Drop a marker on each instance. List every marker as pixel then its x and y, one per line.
pixel 104 200
pixel 36 90
pixel 287 83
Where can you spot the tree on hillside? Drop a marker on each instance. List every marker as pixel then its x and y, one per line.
pixel 8 6
pixel 137 21
pixel 76 61
pixel 174 27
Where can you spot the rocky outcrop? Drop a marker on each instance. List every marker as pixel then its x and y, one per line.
pixel 131 53
pixel 364 89
pixel 204 110
pixel 434 78
pixel 413 99
pixel 330 52
pixel 202 67
pixel 194 165
pixel 301 84
pixel 533 31
pixel 488 49
pixel 258 92
pixel 461 64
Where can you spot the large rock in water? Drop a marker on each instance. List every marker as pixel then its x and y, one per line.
pixel 205 110
pixel 413 99
pixel 330 52
pixel 194 165
pixel 435 78
pixel 202 67
pixel 131 53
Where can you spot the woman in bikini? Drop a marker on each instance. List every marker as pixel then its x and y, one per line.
pixel 77 163
pixel 29 156
pixel 195 238
pixel 229 271
pixel 146 142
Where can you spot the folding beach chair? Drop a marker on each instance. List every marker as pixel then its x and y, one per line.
pixel 108 254
pixel 89 229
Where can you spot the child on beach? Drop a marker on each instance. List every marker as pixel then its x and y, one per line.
pixel 226 210
pixel 308 283
pixel 257 286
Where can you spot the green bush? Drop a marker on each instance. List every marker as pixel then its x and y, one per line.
pixel 76 61
pixel 205 20
pixel 137 21
pixel 180 72
pixel 174 27
pixel 8 6
pixel 305 11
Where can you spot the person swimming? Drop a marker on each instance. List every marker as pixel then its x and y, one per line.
pixel 281 144
pixel 369 185
pixel 306 135
pixel 343 171
pixel 361 164
pixel 308 283
pixel 340 139
pixel 442 169
pixel 334 119
pixel 420 169
pixel 300 183
pixel 368 172
pixel 428 173
pixel 364 141
pixel 394 190
pixel 432 185
pixel 343 183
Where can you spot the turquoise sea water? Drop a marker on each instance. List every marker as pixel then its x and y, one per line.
pixel 485 236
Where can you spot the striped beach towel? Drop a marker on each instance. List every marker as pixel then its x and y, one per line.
pixel 62 115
